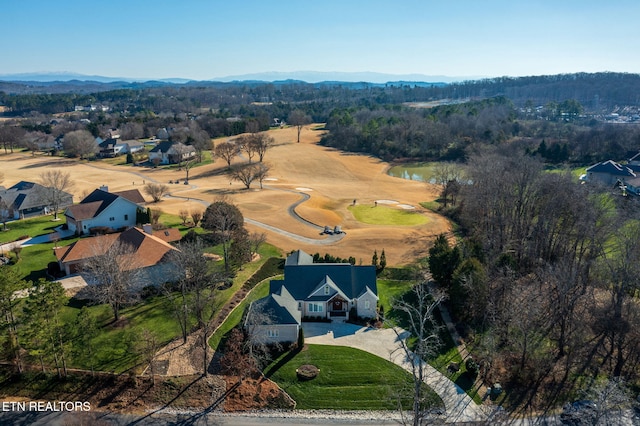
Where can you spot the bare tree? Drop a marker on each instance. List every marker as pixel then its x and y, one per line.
pixel 188 165
pixel 244 143
pixel 156 191
pixel 112 273
pixel 155 216
pixel 261 172
pixel 131 130
pixel 80 143
pixel 298 119
pixel 418 312
pixel 245 174
pixel 6 213
pixel 260 143
pixel 56 184
pixel 227 151
pixel 185 295
pixel 10 133
pixel 256 240
pixel 196 216
pixel 447 175
pixel 148 345
pixel 184 215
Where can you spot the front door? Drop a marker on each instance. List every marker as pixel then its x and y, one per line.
pixel 337 305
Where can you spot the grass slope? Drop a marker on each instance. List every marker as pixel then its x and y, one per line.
pixel 349 379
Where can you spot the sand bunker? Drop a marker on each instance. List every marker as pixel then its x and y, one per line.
pixel 270 179
pixel 406 206
pixel 304 189
pixel 386 202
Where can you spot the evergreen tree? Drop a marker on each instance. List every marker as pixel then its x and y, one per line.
pixel 383 260
pixel 443 260
pixel 374 259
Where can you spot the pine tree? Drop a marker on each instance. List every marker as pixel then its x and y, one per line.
pixel 383 260
pixel 374 259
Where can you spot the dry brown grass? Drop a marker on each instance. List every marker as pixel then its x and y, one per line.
pixel 334 180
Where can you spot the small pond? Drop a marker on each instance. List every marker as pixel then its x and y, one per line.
pixel 417 171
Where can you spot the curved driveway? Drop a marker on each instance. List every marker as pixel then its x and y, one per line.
pixel 384 343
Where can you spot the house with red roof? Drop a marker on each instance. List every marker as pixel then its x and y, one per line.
pixel 152 254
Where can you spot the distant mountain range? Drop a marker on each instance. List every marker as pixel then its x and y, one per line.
pixel 305 76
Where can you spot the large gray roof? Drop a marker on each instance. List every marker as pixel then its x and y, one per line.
pixel 301 279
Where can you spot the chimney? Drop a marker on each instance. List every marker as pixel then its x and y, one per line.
pixel 104 188
pixel 147 228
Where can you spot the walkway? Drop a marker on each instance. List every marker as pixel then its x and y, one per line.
pixel 384 343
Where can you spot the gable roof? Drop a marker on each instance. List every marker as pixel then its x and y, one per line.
pixel 280 307
pixel 149 250
pixel 95 203
pixel 27 195
pixel 163 146
pixel 612 168
pixel 298 257
pixel 302 279
pixel 132 195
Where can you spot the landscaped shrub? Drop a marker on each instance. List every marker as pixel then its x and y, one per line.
pixel 301 338
pixel 100 230
pixel 307 372
pixel 472 367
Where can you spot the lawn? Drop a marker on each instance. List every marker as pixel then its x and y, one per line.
pixel 349 379
pixel 383 215
pixel 116 347
pixel 389 290
pixel 234 318
pixel 32 227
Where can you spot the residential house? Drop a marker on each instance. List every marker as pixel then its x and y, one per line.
pixel 332 291
pixel 151 254
pixel 101 208
pixel 114 147
pixel 167 152
pixel 26 199
pixel 609 173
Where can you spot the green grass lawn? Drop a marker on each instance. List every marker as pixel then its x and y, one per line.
pixel 234 318
pixel 116 347
pixel 389 290
pixel 383 215
pixel 349 379
pixel 32 227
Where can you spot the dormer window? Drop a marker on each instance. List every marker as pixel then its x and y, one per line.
pixel 326 289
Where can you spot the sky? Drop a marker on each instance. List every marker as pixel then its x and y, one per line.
pixel 209 39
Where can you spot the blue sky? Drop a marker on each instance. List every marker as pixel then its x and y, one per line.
pixel 205 39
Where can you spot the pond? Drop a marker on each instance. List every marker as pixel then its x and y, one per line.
pixel 417 171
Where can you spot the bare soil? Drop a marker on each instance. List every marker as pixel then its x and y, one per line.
pixel 138 395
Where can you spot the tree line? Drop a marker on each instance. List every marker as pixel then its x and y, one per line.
pixel 545 279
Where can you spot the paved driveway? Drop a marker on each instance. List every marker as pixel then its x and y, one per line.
pixel 384 343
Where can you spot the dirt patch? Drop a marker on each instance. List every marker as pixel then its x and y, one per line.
pixel 254 394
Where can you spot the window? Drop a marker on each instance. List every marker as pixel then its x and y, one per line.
pixel 272 333
pixel 367 304
pixel 126 217
pixel 326 289
pixel 299 306
pixel 315 307
pixel 111 219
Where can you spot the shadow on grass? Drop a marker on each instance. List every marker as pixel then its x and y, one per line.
pixel 273 368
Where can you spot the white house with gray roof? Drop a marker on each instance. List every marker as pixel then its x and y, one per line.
pixel 310 290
